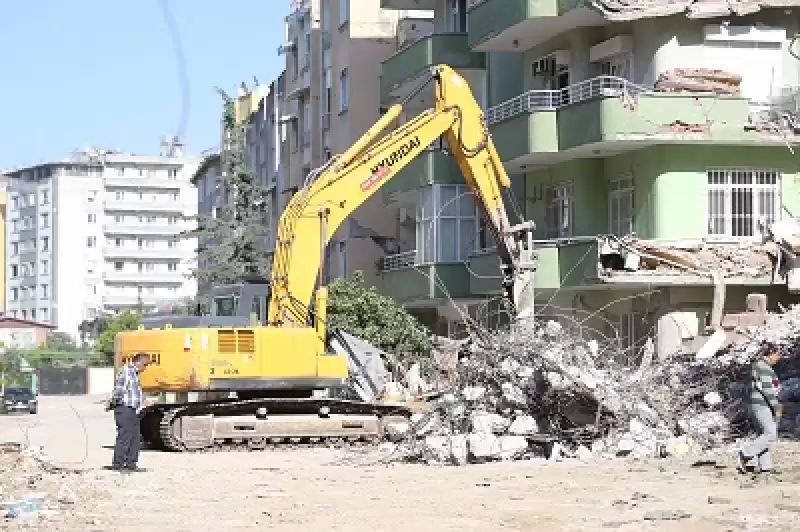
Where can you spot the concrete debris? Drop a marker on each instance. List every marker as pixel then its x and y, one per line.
pixel 747 260
pixel 698 80
pixel 627 10
pixel 538 390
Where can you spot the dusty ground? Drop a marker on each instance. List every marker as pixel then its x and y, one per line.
pixel 334 490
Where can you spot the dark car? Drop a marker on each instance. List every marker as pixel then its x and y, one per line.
pixel 18 400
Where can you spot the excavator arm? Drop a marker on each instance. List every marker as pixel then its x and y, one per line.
pixel 338 188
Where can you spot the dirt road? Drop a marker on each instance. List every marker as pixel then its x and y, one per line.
pixel 337 490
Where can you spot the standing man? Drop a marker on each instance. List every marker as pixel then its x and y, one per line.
pixel 764 408
pixel 128 401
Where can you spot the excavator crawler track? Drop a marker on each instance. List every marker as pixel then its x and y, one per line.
pixel 262 424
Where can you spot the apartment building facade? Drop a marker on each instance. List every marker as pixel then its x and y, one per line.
pixel 334 52
pixel 99 233
pixel 3 213
pixel 611 133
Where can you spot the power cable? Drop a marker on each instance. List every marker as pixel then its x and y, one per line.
pixel 183 75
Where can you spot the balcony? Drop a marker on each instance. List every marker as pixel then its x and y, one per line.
pixel 132 300
pixel 142 182
pixel 428 5
pixel 409 62
pixel 144 277
pixel 607 109
pixel 145 206
pixel 430 167
pixel 563 264
pixel 406 281
pixel 144 229
pixel 518 25
pixel 144 253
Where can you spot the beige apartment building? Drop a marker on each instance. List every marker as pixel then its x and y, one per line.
pixel 334 52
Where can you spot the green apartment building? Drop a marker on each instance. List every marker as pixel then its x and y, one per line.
pixel 652 186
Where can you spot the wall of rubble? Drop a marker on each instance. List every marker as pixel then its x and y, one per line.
pixel 539 389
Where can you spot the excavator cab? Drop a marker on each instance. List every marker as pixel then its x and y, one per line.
pixel 247 299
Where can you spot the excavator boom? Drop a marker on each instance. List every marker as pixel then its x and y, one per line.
pixel 348 180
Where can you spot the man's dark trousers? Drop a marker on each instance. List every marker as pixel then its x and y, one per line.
pixel 126 448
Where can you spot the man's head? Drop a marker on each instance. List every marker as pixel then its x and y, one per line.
pixel 140 361
pixel 771 353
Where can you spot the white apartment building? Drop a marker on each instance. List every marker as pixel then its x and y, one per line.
pixel 99 233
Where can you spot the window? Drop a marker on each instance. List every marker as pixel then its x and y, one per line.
pixel 559 210
pixel 44 267
pixel 14 270
pixel 45 220
pixel 46 243
pixel 91 196
pixel 45 199
pixel 344 12
pixel 295 58
pixel 172 173
pixel 306 124
pixel 15 248
pixel 149 267
pixel 15 202
pixel 15 225
pixel 447 224
pixel 91 241
pixel 343 91
pixel 120 195
pixel 742 203
pixel 620 206
pixel 44 291
pixel 119 266
pixel 327 102
pixel 117 242
pixel 458 15
pixel 172 243
pixel 172 267
pixel 118 219
pixel 44 314
pixel 307 53
pixel 91 218
pixel 618 66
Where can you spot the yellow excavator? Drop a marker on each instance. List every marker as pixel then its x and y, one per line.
pixel 269 369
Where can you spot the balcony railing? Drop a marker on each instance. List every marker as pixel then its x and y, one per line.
pixel 398 261
pixel 543 100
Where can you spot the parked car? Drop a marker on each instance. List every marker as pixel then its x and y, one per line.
pixel 18 400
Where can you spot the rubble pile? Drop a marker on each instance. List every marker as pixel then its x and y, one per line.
pixel 34 491
pixel 541 390
pixel 698 80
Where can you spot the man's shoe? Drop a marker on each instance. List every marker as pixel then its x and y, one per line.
pixel 741 461
pixel 135 469
pixel 113 467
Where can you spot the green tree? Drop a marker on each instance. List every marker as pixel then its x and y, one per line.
pixel 59 341
pixel 127 321
pixel 364 312
pixel 232 239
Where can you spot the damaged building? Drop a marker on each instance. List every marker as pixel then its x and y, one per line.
pixel 651 142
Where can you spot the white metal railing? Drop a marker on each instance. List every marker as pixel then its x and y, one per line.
pixel 542 100
pixel 398 261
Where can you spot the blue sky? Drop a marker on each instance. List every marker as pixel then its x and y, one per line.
pixel 105 73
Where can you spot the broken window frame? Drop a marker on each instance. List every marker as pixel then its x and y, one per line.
pixel 621 191
pixel 742 202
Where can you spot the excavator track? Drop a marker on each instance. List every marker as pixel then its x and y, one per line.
pixel 263 424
